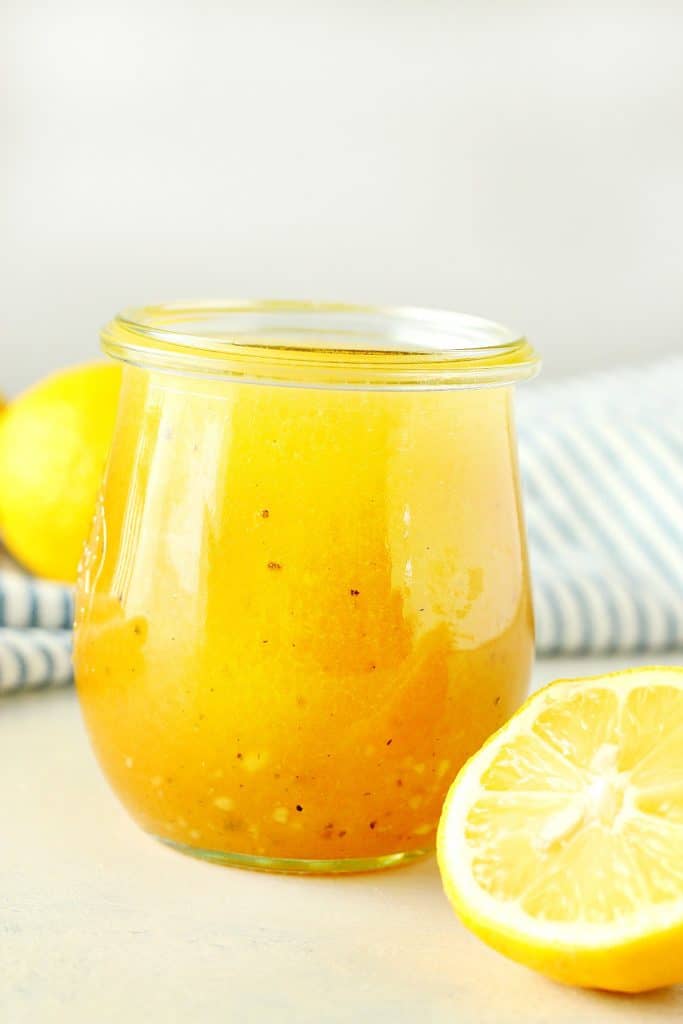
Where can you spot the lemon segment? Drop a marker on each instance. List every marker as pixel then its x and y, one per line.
pixel 561 840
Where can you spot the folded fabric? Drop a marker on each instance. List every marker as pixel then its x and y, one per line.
pixel 602 470
pixel 35 630
pixel 34 658
pixel 26 602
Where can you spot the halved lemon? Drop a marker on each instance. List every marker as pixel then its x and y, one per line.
pixel 561 840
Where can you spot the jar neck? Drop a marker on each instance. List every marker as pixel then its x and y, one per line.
pixel 322 345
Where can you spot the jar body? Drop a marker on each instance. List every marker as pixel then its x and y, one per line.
pixel 300 611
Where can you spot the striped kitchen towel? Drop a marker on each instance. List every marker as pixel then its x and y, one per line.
pixel 35 630
pixel 32 659
pixel 602 469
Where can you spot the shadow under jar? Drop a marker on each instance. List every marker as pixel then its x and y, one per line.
pixel 305 600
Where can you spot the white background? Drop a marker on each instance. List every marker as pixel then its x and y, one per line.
pixel 519 160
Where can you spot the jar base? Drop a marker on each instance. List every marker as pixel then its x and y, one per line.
pixel 296 865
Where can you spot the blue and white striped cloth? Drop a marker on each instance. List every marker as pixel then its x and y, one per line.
pixel 602 468
pixel 35 631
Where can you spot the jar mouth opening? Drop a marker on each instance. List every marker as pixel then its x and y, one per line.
pixel 321 344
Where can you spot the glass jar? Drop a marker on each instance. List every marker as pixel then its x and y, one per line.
pixel 305 601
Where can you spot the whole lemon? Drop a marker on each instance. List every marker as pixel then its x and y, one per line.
pixel 54 441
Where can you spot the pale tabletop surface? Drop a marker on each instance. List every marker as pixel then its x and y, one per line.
pixel 100 924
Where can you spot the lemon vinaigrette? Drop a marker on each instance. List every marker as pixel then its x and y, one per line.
pixel 305 600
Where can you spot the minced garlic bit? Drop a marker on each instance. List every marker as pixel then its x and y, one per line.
pixel 423 830
pixel 224 803
pixel 253 762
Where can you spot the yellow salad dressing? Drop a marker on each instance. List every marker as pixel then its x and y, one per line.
pixel 301 609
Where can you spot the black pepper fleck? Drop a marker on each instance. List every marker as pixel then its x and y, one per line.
pixel 239 757
pixel 265 513
pixel 354 593
pixel 497 701
pixel 274 565
pixel 342 833
pixel 373 824
pixel 299 808
pixel 389 742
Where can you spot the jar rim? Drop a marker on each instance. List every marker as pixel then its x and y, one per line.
pixel 321 344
